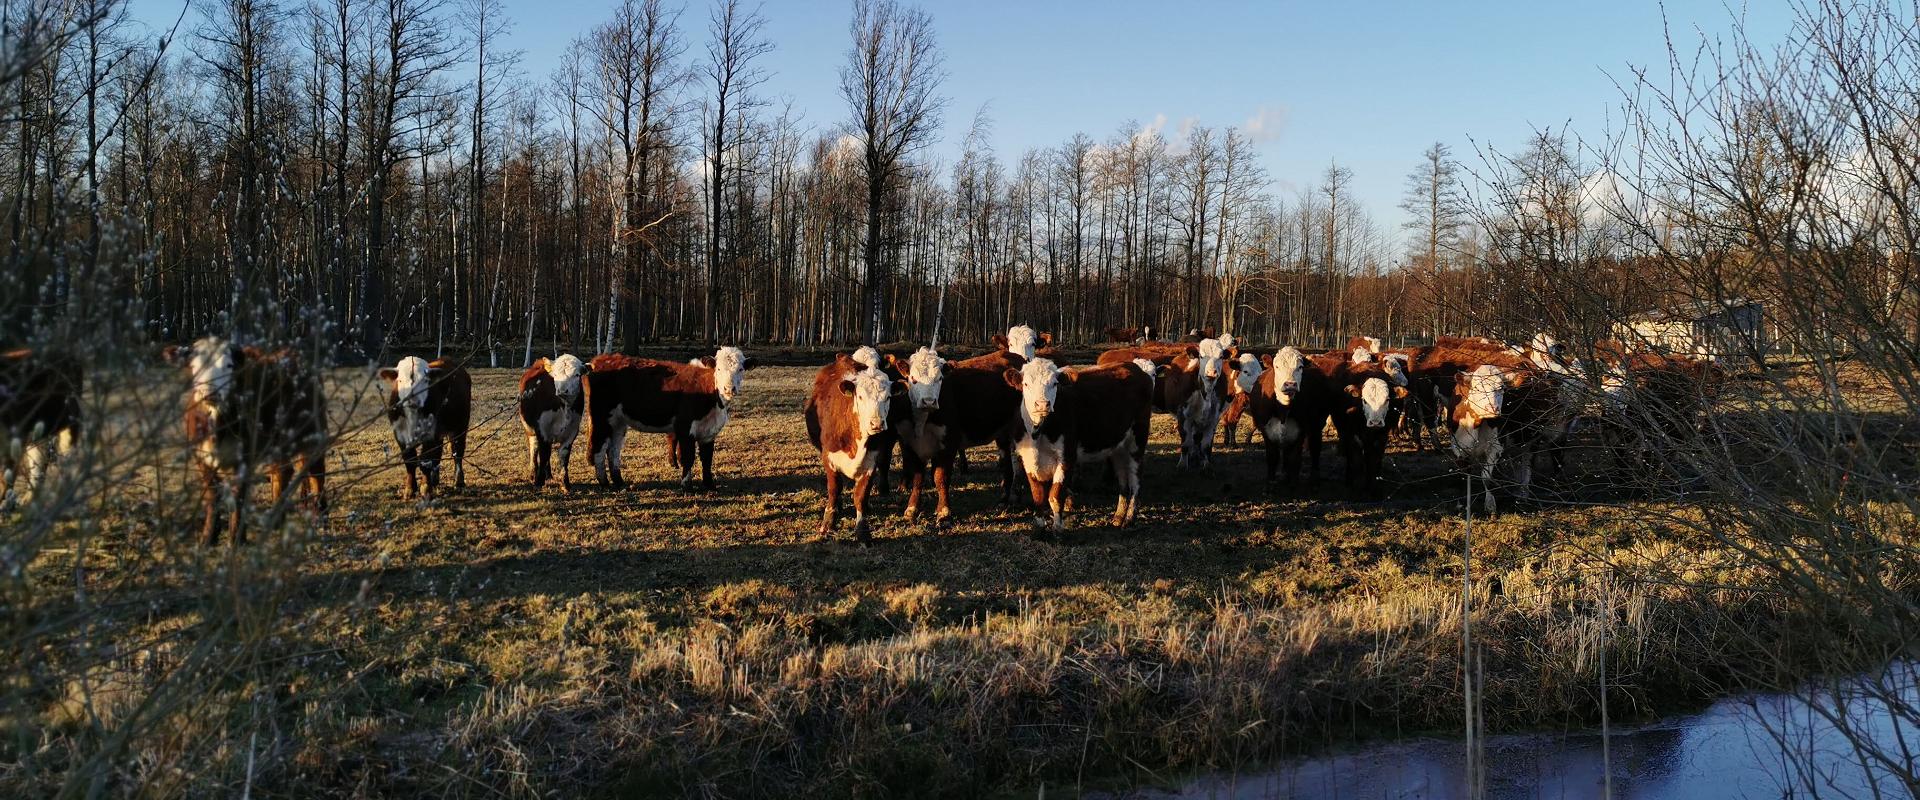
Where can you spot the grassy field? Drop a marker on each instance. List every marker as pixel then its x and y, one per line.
pixel 511 641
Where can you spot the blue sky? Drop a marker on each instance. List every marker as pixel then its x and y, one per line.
pixel 1369 85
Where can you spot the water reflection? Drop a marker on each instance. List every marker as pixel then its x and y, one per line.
pixel 1769 746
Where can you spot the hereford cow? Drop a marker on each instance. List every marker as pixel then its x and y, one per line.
pixel 250 411
pixel 1366 406
pixel 429 406
pixel 1119 335
pixel 1092 413
pixel 979 408
pixel 1500 419
pixel 552 405
pixel 691 402
pixel 1193 389
pixel 1246 382
pixel 39 419
pixel 850 406
pixel 1290 408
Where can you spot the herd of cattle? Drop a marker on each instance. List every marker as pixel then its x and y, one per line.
pixel 1499 407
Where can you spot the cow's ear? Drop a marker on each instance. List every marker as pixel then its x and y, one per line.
pixel 1399 392
pixel 898 389
pixel 1193 352
pixel 1353 390
pixel 1046 339
pixel 747 363
pixel 1266 360
pixel 946 368
pixel 846 388
pixel 1012 378
pixel 705 361
pixel 389 374
pixel 540 363
pixel 898 363
pixel 1000 339
pixel 586 367
pixel 1233 354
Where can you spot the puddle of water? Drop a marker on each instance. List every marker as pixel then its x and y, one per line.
pixel 1765 746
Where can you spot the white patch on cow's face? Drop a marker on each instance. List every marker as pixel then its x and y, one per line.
pixel 1396 367
pixel 728 365
pixel 872 400
pixel 1039 389
pixel 924 373
pixel 1212 356
pixel 1362 355
pixel 1375 397
pixel 867 357
pixel 410 382
pixel 566 371
pixel 1021 339
pixel 1486 390
pixel 1289 373
pixel 211 366
pixel 1248 378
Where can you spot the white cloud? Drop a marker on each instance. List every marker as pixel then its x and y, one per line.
pixel 1266 124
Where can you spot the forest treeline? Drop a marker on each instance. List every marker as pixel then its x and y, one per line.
pixel 384 171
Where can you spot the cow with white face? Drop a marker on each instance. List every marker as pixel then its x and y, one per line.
pixel 849 408
pixel 1021 340
pixel 552 405
pixel 690 402
pixel 1199 417
pixel 429 405
pixel 1290 405
pixel 1246 381
pixel 1084 414
pixel 1371 407
pixel 921 428
pixel 1504 417
pixel 250 412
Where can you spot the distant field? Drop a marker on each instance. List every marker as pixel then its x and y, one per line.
pixel 655 640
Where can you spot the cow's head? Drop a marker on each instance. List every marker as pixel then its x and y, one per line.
pixel 1247 378
pixel 1039 385
pixel 1396 366
pixel 727 364
pixel 1377 400
pixel 924 372
pixel 1483 390
pixel 872 394
pixel 409 381
pixel 867 357
pixel 1022 340
pixel 1289 374
pixel 1362 355
pixel 566 371
pixel 209 362
pixel 1212 357
pixel 1146 365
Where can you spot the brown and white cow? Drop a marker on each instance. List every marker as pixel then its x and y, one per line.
pixel 848 408
pixel 39 419
pixel 1247 369
pixel 1086 414
pixel 1193 389
pixel 552 406
pixel 1290 406
pixel 980 409
pixel 429 406
pixel 251 411
pixel 1502 417
pixel 1367 403
pixel 691 402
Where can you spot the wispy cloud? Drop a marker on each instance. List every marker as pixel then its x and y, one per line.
pixel 1266 124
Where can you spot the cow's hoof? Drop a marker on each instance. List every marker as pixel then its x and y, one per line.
pixel 942 522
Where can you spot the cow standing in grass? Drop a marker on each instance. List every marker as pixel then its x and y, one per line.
pixel 39 419
pixel 1247 369
pixel 251 410
pixel 1067 416
pixel 429 406
pixel 869 357
pixel 690 402
pixel 1289 409
pixel 552 406
pixel 1502 419
pixel 1366 406
pixel 980 408
pixel 849 407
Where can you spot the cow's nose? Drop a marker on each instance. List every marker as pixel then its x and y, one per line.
pixel 1290 388
pixel 1376 423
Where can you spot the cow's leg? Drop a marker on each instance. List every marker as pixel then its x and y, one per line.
pixel 533 460
pixel 1314 438
pixel 597 452
pixel 684 442
pixel 236 519
pixel 1128 471
pixel 460 460
pixel 1005 444
pixel 210 486
pixel 616 458
pixel 706 463
pixel 1058 497
pixel 1185 436
pixel 564 451
pixel 1273 461
pixel 315 467
pixel 831 513
pixel 884 464
pixel 411 457
pixel 942 472
pixel 1039 489
pixel 862 487
pixel 915 477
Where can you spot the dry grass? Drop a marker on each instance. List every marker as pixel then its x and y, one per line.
pixel 521 642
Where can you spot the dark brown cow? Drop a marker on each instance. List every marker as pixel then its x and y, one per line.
pixel 552 406
pixel 691 402
pixel 1194 388
pixel 251 410
pixel 1066 416
pixel 1119 335
pixel 429 406
pixel 39 418
pixel 850 405
pixel 1290 408
pixel 1366 405
pixel 979 408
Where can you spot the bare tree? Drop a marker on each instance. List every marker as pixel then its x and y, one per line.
pixel 735 44
pixel 1432 202
pixel 891 83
